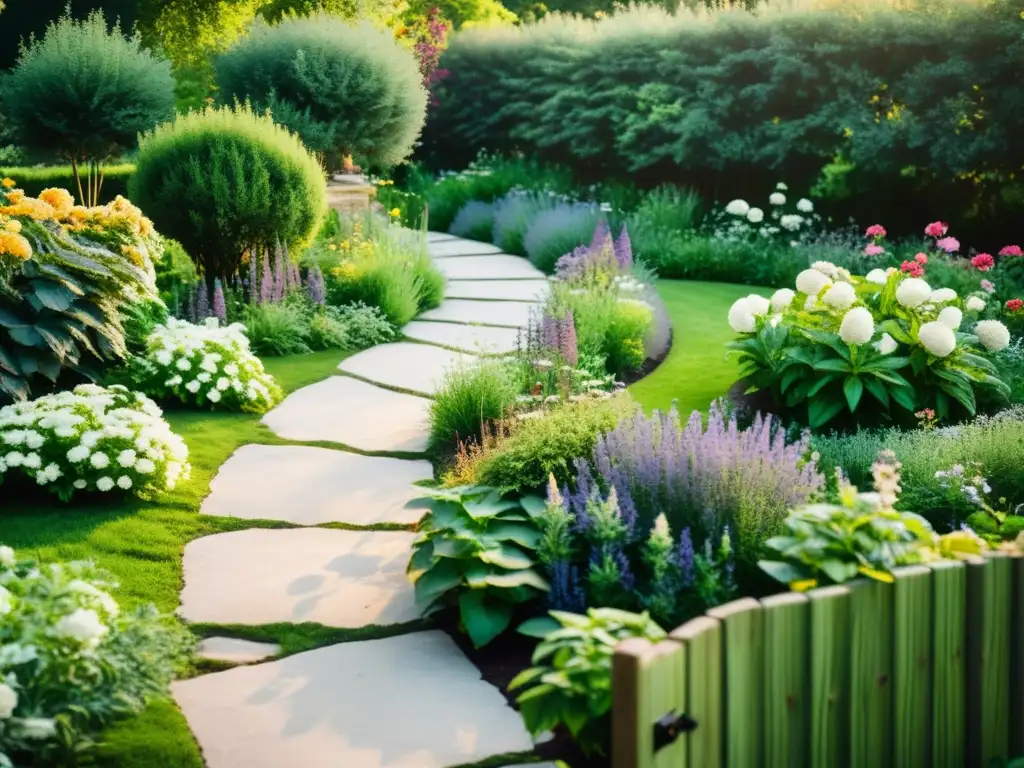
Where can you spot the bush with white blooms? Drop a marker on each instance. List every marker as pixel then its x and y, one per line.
pixel 71 661
pixel 207 365
pixel 739 220
pixel 92 438
pixel 890 338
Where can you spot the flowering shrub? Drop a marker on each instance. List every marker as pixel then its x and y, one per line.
pixel 739 220
pixel 92 439
pixel 204 365
pixel 820 348
pixel 71 661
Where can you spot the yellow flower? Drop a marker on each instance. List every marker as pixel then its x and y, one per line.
pixel 29 206
pixel 13 226
pixel 8 183
pixel 332 247
pixel 803 585
pixel 60 199
pixel 395 212
pixel 345 245
pixel 16 245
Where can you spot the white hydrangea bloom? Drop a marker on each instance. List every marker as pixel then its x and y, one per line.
pixel 7 558
pixel 938 338
pixel 943 296
pixel 782 298
pixel 781 185
pixel 99 460
pixel 857 327
pixel 105 484
pixel 755 215
pixel 840 296
pixel 741 319
pixel 777 198
pixel 812 282
pixel 804 205
pixel 8 701
pixel 951 317
pixel 826 268
pixel 737 208
pixel 82 625
pixel 791 221
pixel 975 304
pixel 886 345
pixel 877 276
pixel 913 292
pixel 992 334
pixel 758 305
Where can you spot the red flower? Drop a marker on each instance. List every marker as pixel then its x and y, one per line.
pixel 983 262
pixel 875 230
pixel 936 229
pixel 1011 250
pixel 921 258
pixel 1014 305
pixel 913 268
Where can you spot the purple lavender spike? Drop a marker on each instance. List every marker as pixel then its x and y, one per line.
pixel 280 277
pixel 624 251
pixel 602 236
pixel 220 309
pixel 567 340
pixel 202 301
pixel 684 556
pixel 266 282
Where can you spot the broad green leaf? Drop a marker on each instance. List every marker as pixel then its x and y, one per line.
pixel 443 576
pixel 524 578
pixel 832 365
pixel 422 558
pixel 445 546
pixel 526 676
pixel 853 388
pixel 820 384
pixel 878 390
pixel 838 571
pixel 782 572
pixel 904 397
pixel 483 616
pixel 539 627
pixel 489 506
pixel 53 295
pixel 534 505
pixel 821 410
pixel 524 535
pixel 506 556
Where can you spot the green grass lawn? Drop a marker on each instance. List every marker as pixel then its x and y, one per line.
pixel 141 544
pixel 697 370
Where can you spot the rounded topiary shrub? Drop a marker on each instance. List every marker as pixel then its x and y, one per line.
pixel 346 89
pixel 225 181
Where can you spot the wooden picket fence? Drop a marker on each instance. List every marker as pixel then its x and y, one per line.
pixel 927 671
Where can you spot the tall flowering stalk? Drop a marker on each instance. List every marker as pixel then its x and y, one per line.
pixel 558 334
pixel 201 301
pixel 280 277
pixel 220 308
pixel 266 281
pixel 316 289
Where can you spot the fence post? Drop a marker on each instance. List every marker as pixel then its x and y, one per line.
pixel 648 682
pixel 1017 659
pixel 988 658
pixel 912 666
pixel 704 695
pixel 871 631
pixel 786 680
pixel 949 601
pixel 830 676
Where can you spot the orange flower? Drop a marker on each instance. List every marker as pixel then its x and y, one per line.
pixel 60 199
pixel 15 245
pixel 7 183
pixel 31 207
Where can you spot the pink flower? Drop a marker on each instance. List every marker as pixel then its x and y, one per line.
pixel 988 286
pixel 921 258
pixel 983 262
pixel 936 229
pixel 873 250
pixel 875 230
pixel 1011 250
pixel 948 244
pixel 913 268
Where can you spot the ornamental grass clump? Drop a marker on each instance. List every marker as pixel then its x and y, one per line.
pixel 91 439
pixel 475 221
pixel 72 661
pixel 207 366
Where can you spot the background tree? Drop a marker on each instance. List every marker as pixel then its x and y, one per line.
pixel 84 93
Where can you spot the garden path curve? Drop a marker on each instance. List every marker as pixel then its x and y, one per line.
pixel 331 536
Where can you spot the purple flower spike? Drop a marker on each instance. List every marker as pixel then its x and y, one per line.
pixel 602 236
pixel 624 251
pixel 220 309
pixel 266 282
pixel 202 301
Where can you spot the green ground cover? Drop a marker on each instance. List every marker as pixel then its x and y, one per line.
pixel 697 370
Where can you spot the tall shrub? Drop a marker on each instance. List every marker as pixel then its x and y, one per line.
pixel 84 93
pixel 346 89
pixel 227 180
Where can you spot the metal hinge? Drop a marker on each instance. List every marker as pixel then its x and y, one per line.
pixel 670 726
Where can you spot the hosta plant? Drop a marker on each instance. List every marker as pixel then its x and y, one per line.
pixel 477 553
pixel 207 365
pixel 862 535
pixel 881 346
pixel 66 272
pixel 91 438
pixel 71 661
pixel 570 682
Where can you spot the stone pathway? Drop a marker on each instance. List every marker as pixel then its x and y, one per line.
pixel 409 698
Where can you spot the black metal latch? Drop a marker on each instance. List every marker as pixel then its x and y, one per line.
pixel 669 727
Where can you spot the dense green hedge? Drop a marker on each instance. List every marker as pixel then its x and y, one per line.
pixel 35 179
pixel 733 103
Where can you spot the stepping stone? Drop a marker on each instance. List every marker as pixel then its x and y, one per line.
pixel 442 249
pixel 479 339
pixel 509 314
pixel 335 578
pixel 235 650
pixel 309 486
pixel 488 268
pixel 413 701
pixel 439 237
pixel 418 368
pixel 351 412
pixel 499 290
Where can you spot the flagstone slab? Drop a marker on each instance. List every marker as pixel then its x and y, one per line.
pixel 499 290
pixel 235 650
pixel 479 339
pixel 442 249
pixel 412 701
pixel 416 367
pixel 309 486
pixel 439 237
pixel 333 577
pixel 343 410
pixel 509 314
pixel 488 268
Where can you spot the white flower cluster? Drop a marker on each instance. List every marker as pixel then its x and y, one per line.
pixel 206 364
pixel 744 312
pixel 740 221
pixel 92 439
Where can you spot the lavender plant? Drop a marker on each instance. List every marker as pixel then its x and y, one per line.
pixel 557 231
pixel 512 215
pixel 474 221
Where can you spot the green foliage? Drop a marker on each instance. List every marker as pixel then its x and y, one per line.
pixel 364 326
pixel 140 318
pixel 344 88
pixel 412 208
pixel 75 663
pixel 225 181
pixel 84 93
pixel 470 399
pixel 34 179
pixel 550 444
pixel 570 682
pixel 175 277
pixel 477 553
pixel 277 329
pixel 664 215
